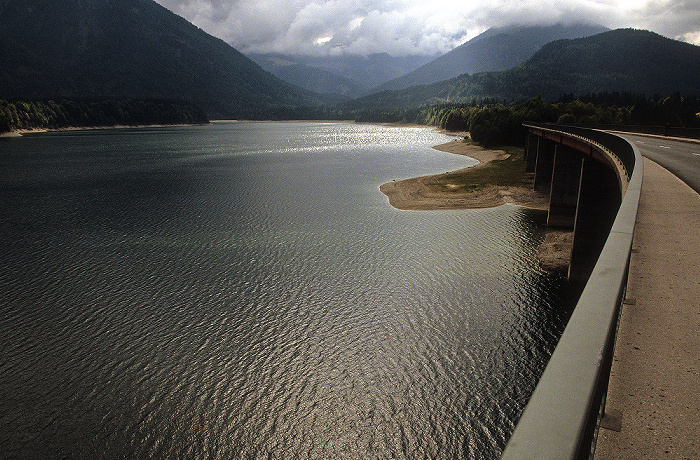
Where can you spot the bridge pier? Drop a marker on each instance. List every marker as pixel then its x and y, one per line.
pixel 544 163
pixel 584 194
pixel 531 152
pixel 584 197
pixel 564 189
pixel 598 203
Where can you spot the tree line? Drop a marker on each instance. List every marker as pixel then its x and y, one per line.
pixel 64 113
pixel 491 122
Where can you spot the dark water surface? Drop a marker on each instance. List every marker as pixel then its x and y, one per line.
pixel 243 290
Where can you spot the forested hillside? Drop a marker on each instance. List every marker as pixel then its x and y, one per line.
pixel 623 60
pixel 130 49
pixel 619 60
pixel 496 49
pixel 494 124
pixel 16 115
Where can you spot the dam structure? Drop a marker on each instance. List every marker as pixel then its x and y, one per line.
pixel 594 179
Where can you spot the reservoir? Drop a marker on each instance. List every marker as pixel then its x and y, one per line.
pixel 244 290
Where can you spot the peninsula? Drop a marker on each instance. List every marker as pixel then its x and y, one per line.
pixel 498 179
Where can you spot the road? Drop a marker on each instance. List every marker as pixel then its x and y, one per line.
pixel 653 394
pixel 679 157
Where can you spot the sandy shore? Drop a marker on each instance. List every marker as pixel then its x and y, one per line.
pixel 554 253
pixel 440 192
pixel 22 132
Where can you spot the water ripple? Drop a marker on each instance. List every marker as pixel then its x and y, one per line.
pixel 243 291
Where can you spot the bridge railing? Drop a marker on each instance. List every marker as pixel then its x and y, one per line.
pixel 562 417
pixel 670 131
pixel 612 142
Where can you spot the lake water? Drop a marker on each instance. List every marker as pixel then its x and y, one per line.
pixel 243 290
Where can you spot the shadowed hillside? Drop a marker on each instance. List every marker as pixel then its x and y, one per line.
pixel 494 50
pixel 619 60
pixel 130 48
pixel 346 75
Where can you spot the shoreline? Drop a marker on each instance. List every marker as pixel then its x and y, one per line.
pixel 440 191
pixel 22 132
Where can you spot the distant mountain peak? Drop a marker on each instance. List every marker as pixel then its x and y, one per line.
pixel 347 75
pixel 498 48
pixel 621 60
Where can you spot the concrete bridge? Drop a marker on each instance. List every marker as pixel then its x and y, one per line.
pixel 586 174
pixel 595 182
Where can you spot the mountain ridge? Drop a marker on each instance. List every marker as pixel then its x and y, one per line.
pixel 629 60
pixel 131 48
pixel 346 75
pixel 316 79
pixel 92 49
pixel 496 49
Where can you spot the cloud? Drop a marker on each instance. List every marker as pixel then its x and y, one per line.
pixel 672 18
pixel 404 27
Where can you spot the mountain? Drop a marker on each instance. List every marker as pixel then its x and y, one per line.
pixel 130 48
pixel 622 60
pixel 316 79
pixel 354 76
pixel 347 75
pixel 494 50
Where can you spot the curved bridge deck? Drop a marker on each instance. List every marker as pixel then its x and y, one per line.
pixel 653 402
pixel 650 260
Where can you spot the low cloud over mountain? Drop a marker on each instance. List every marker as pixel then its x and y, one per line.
pixel 410 27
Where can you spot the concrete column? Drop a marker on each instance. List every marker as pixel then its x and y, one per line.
pixel 563 193
pixel 599 199
pixel 531 152
pixel 544 164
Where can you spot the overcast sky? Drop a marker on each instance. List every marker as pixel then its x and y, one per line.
pixel 404 27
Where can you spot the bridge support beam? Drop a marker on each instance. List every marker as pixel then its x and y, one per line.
pixel 544 163
pixel 564 190
pixel 599 199
pixel 531 152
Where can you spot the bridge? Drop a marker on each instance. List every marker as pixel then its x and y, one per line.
pixel 595 184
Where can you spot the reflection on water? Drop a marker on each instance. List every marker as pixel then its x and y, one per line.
pixel 243 290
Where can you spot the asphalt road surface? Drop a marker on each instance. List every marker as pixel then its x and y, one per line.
pixel 679 157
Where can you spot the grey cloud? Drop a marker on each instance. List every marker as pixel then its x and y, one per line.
pixel 678 19
pixel 402 27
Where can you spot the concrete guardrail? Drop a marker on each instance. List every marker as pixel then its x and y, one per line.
pixel 562 418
